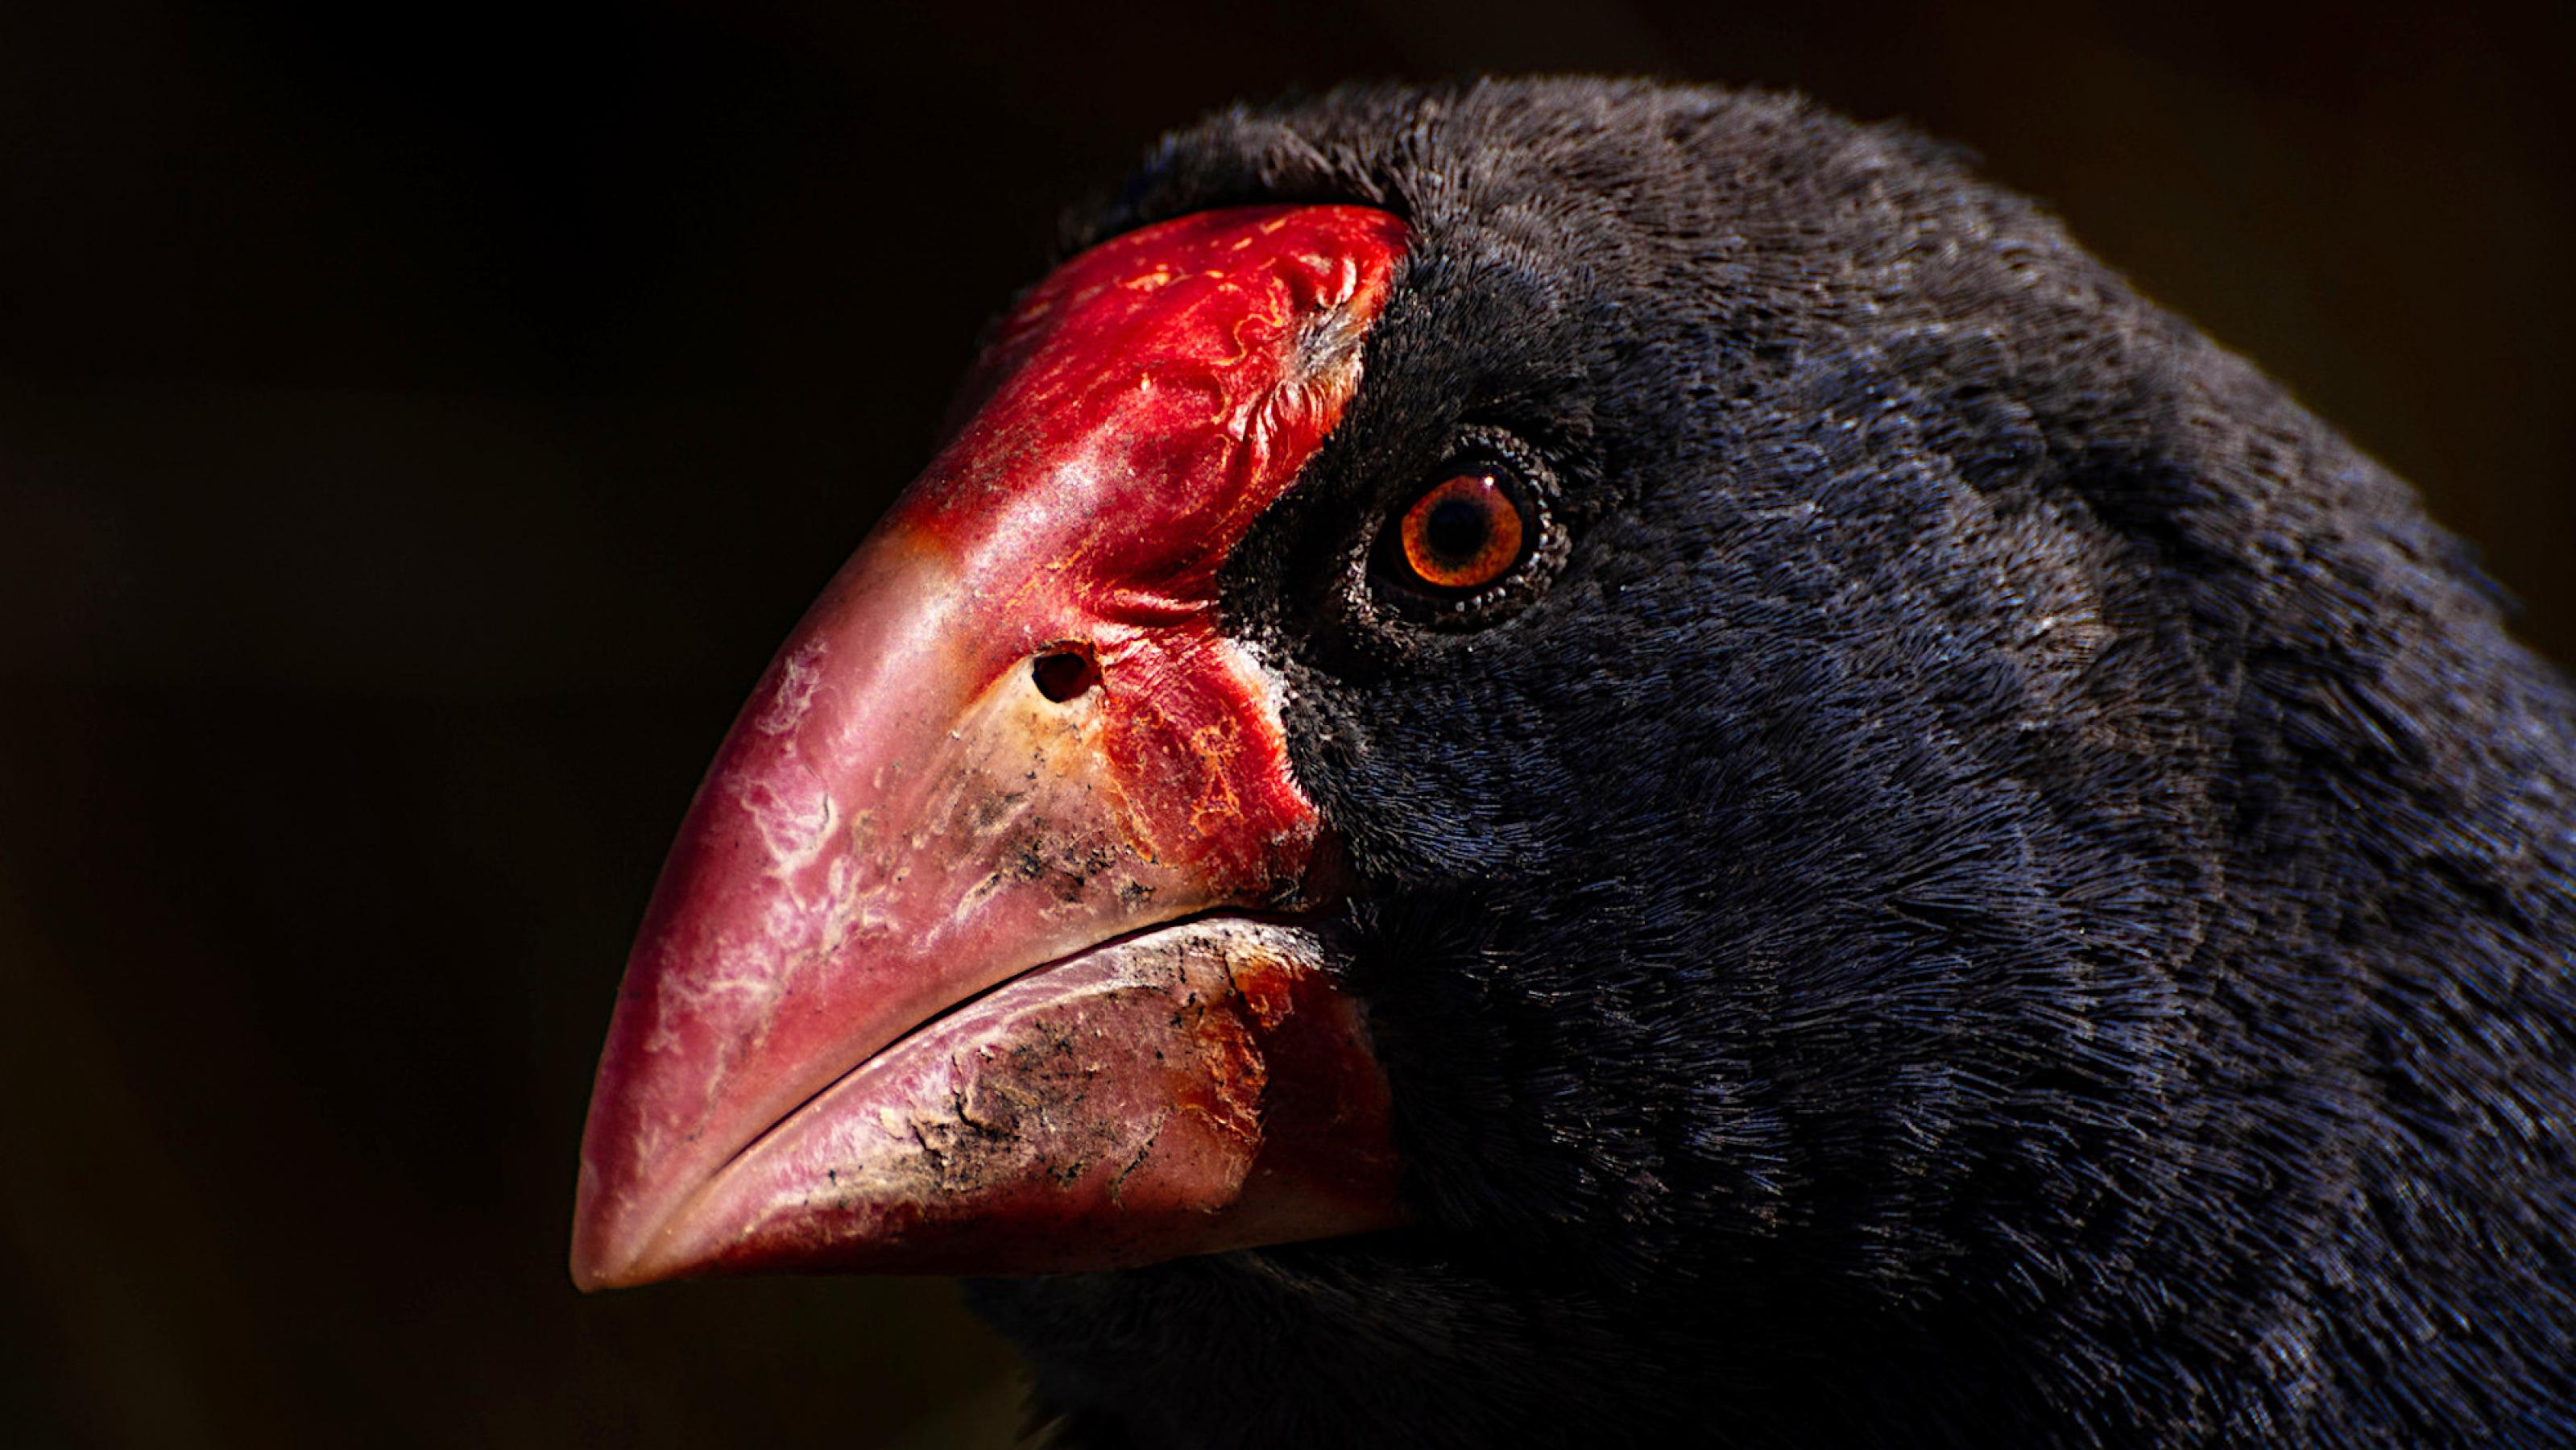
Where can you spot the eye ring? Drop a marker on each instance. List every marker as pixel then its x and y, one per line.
pixel 1493 557
pixel 1463 533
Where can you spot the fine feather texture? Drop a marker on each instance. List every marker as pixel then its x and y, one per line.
pixel 2011 889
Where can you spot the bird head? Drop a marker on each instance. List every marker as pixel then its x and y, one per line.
pixel 1597 702
pixel 1503 698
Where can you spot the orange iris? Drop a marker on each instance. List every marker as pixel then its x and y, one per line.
pixel 1462 534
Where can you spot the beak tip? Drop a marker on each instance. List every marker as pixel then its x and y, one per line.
pixel 593 1268
pixel 615 1266
pixel 606 1252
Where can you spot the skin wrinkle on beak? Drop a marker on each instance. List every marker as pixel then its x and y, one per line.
pixel 762 971
pixel 901 819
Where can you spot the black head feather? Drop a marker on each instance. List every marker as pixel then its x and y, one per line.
pixel 2002 885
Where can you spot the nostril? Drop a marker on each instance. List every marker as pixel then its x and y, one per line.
pixel 1064 674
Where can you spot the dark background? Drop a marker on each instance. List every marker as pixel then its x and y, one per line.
pixel 418 424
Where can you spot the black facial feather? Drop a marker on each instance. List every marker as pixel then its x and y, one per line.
pixel 2010 888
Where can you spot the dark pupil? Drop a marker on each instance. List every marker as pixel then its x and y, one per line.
pixel 1457 529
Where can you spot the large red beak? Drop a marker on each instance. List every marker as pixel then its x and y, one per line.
pixel 948 970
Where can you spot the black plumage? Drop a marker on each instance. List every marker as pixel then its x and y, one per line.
pixel 2010 888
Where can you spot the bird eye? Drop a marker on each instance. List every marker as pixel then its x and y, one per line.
pixel 1460 546
pixel 1465 533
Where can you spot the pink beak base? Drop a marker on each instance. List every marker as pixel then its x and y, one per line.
pixel 940 974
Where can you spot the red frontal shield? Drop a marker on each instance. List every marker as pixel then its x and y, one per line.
pixel 810 1065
